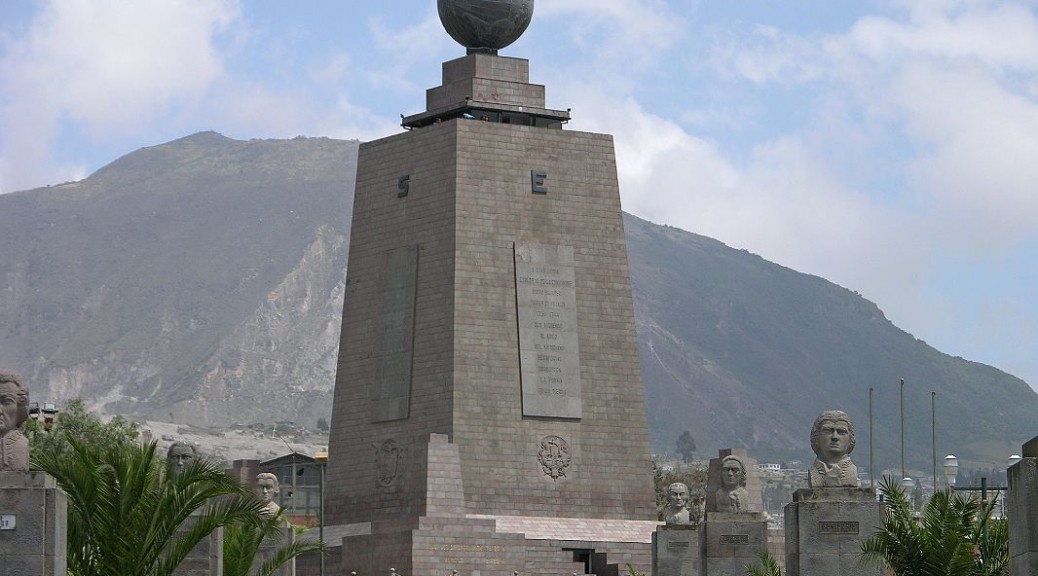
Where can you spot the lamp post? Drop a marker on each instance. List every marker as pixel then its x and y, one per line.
pixel 321 458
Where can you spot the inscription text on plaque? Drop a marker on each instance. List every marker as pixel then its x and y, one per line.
pixel 549 356
pixel 831 527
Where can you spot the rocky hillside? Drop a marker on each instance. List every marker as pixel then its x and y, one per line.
pixel 200 281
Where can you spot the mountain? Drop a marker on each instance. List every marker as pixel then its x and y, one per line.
pixel 201 281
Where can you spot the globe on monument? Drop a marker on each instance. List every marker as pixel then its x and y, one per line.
pixel 485 25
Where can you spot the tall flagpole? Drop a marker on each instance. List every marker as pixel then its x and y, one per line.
pixel 903 428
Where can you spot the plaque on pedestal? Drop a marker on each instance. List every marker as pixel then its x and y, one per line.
pixel 825 528
pixel 733 541
pixel 677 551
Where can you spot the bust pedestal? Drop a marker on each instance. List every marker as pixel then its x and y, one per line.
pixel 33 519
pixel 285 536
pixel 825 528
pixel 677 551
pixel 733 540
pixel 1023 513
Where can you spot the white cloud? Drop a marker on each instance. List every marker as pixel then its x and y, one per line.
pixel 637 33
pixel 782 201
pixel 1003 35
pixel 978 161
pixel 106 66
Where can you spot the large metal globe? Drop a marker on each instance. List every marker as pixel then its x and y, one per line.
pixel 485 25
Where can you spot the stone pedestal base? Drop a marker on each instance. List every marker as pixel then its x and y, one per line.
pixel 1023 513
pixel 438 546
pixel 445 538
pixel 677 551
pixel 825 528
pixel 206 558
pixel 733 541
pixel 269 547
pixel 33 519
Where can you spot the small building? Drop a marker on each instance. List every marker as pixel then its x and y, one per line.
pixel 299 477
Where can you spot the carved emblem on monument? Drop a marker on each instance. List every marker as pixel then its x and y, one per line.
pixel 387 462
pixel 554 456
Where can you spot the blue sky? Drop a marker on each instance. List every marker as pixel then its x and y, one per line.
pixel 889 146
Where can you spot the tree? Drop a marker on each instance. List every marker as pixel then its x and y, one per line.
pixel 125 517
pixel 769 566
pixel 76 422
pixel 242 541
pixel 686 446
pixel 955 536
pixel 322 424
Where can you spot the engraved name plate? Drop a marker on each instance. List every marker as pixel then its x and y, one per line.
pixel 394 334
pixel 735 538
pixel 549 356
pixel 837 527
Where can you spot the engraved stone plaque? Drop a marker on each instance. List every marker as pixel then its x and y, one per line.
pixel 549 356
pixel 394 334
pixel 735 539
pixel 828 527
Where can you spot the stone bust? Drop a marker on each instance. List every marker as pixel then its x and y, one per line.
pixel 832 439
pixel 179 455
pixel 732 495
pixel 14 411
pixel 268 488
pixel 677 505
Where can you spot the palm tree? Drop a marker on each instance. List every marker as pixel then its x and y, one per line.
pixel 954 537
pixel 769 566
pixel 242 542
pixel 126 518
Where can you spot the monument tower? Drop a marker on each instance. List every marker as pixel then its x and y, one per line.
pixel 488 413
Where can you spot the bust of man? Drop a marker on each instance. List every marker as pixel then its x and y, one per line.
pixel 14 411
pixel 732 495
pixel 268 488
pixel 832 438
pixel 179 455
pixel 677 505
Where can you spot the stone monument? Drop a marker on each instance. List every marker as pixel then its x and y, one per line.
pixel 677 548
pixel 178 456
pixel 677 505
pixel 489 413
pixel 1023 512
pixel 33 510
pixel 206 558
pixel 14 411
pixel 826 523
pixel 735 531
pixel 832 439
pixel 268 488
